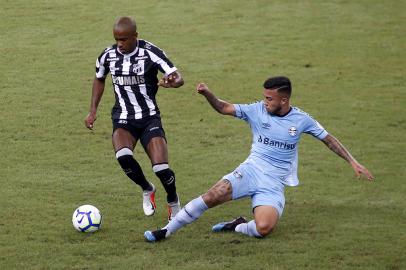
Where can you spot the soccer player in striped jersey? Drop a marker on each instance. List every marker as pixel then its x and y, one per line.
pixel 134 64
pixel 276 129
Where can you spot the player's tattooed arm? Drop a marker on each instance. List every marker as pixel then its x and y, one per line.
pixel 219 105
pixel 337 147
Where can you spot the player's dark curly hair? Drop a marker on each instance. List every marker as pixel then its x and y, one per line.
pixel 281 83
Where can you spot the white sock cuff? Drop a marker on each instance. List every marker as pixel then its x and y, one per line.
pixel 252 227
pixel 201 202
pixel 249 228
pixel 160 167
pixel 124 152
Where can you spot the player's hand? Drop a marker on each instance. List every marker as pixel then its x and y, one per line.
pixel 202 89
pixel 361 170
pixel 173 80
pixel 89 120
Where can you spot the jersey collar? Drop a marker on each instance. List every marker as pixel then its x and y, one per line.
pixel 290 109
pixel 131 53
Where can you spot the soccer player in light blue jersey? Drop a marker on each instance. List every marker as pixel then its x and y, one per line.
pixel 272 164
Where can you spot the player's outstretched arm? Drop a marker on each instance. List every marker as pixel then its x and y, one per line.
pixel 173 80
pixel 219 105
pixel 97 93
pixel 337 147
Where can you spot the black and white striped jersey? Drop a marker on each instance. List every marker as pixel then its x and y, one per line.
pixel 134 78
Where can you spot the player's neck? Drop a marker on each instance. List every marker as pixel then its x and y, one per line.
pixel 284 111
pixel 133 50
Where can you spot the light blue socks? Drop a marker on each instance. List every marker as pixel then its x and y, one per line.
pixel 192 211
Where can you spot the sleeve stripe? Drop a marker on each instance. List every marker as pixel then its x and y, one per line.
pixel 164 65
pixel 100 69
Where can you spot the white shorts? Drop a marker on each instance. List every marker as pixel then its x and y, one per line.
pixel 248 180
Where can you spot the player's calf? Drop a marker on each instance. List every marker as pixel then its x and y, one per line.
pixel 167 178
pixel 132 169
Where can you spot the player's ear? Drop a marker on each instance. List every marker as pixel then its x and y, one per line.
pixel 136 34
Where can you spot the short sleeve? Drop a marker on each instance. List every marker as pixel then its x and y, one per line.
pixel 314 128
pixel 101 65
pixel 159 57
pixel 246 112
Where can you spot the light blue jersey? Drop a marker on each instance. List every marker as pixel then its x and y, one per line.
pixel 275 140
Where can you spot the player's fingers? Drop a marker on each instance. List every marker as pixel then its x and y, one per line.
pixel 89 126
pixel 366 173
pixel 369 176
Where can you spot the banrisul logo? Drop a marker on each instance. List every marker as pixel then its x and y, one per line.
pixel 277 144
pixel 292 131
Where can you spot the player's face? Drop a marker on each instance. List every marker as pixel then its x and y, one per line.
pixel 126 39
pixel 273 101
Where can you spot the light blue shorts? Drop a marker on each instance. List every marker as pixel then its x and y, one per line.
pixel 248 180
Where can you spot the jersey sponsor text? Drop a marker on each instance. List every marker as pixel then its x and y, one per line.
pixel 128 80
pixel 274 143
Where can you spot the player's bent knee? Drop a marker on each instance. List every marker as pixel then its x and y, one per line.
pixel 124 157
pixel 264 228
pixel 124 152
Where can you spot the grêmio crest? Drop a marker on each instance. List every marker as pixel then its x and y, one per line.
pixel 292 131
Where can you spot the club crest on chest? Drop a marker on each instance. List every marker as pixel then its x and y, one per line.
pixel 292 131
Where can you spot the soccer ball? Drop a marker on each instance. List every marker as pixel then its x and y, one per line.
pixel 87 218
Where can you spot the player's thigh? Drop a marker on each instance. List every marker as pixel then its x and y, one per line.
pixel 157 150
pixel 122 138
pixel 242 181
pixel 220 193
pixel 266 218
pixel 154 142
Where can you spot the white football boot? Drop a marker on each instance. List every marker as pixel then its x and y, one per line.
pixel 173 209
pixel 148 201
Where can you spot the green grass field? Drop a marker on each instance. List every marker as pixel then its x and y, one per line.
pixel 346 60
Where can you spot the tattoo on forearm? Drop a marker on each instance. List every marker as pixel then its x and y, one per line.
pixel 216 103
pixel 334 145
